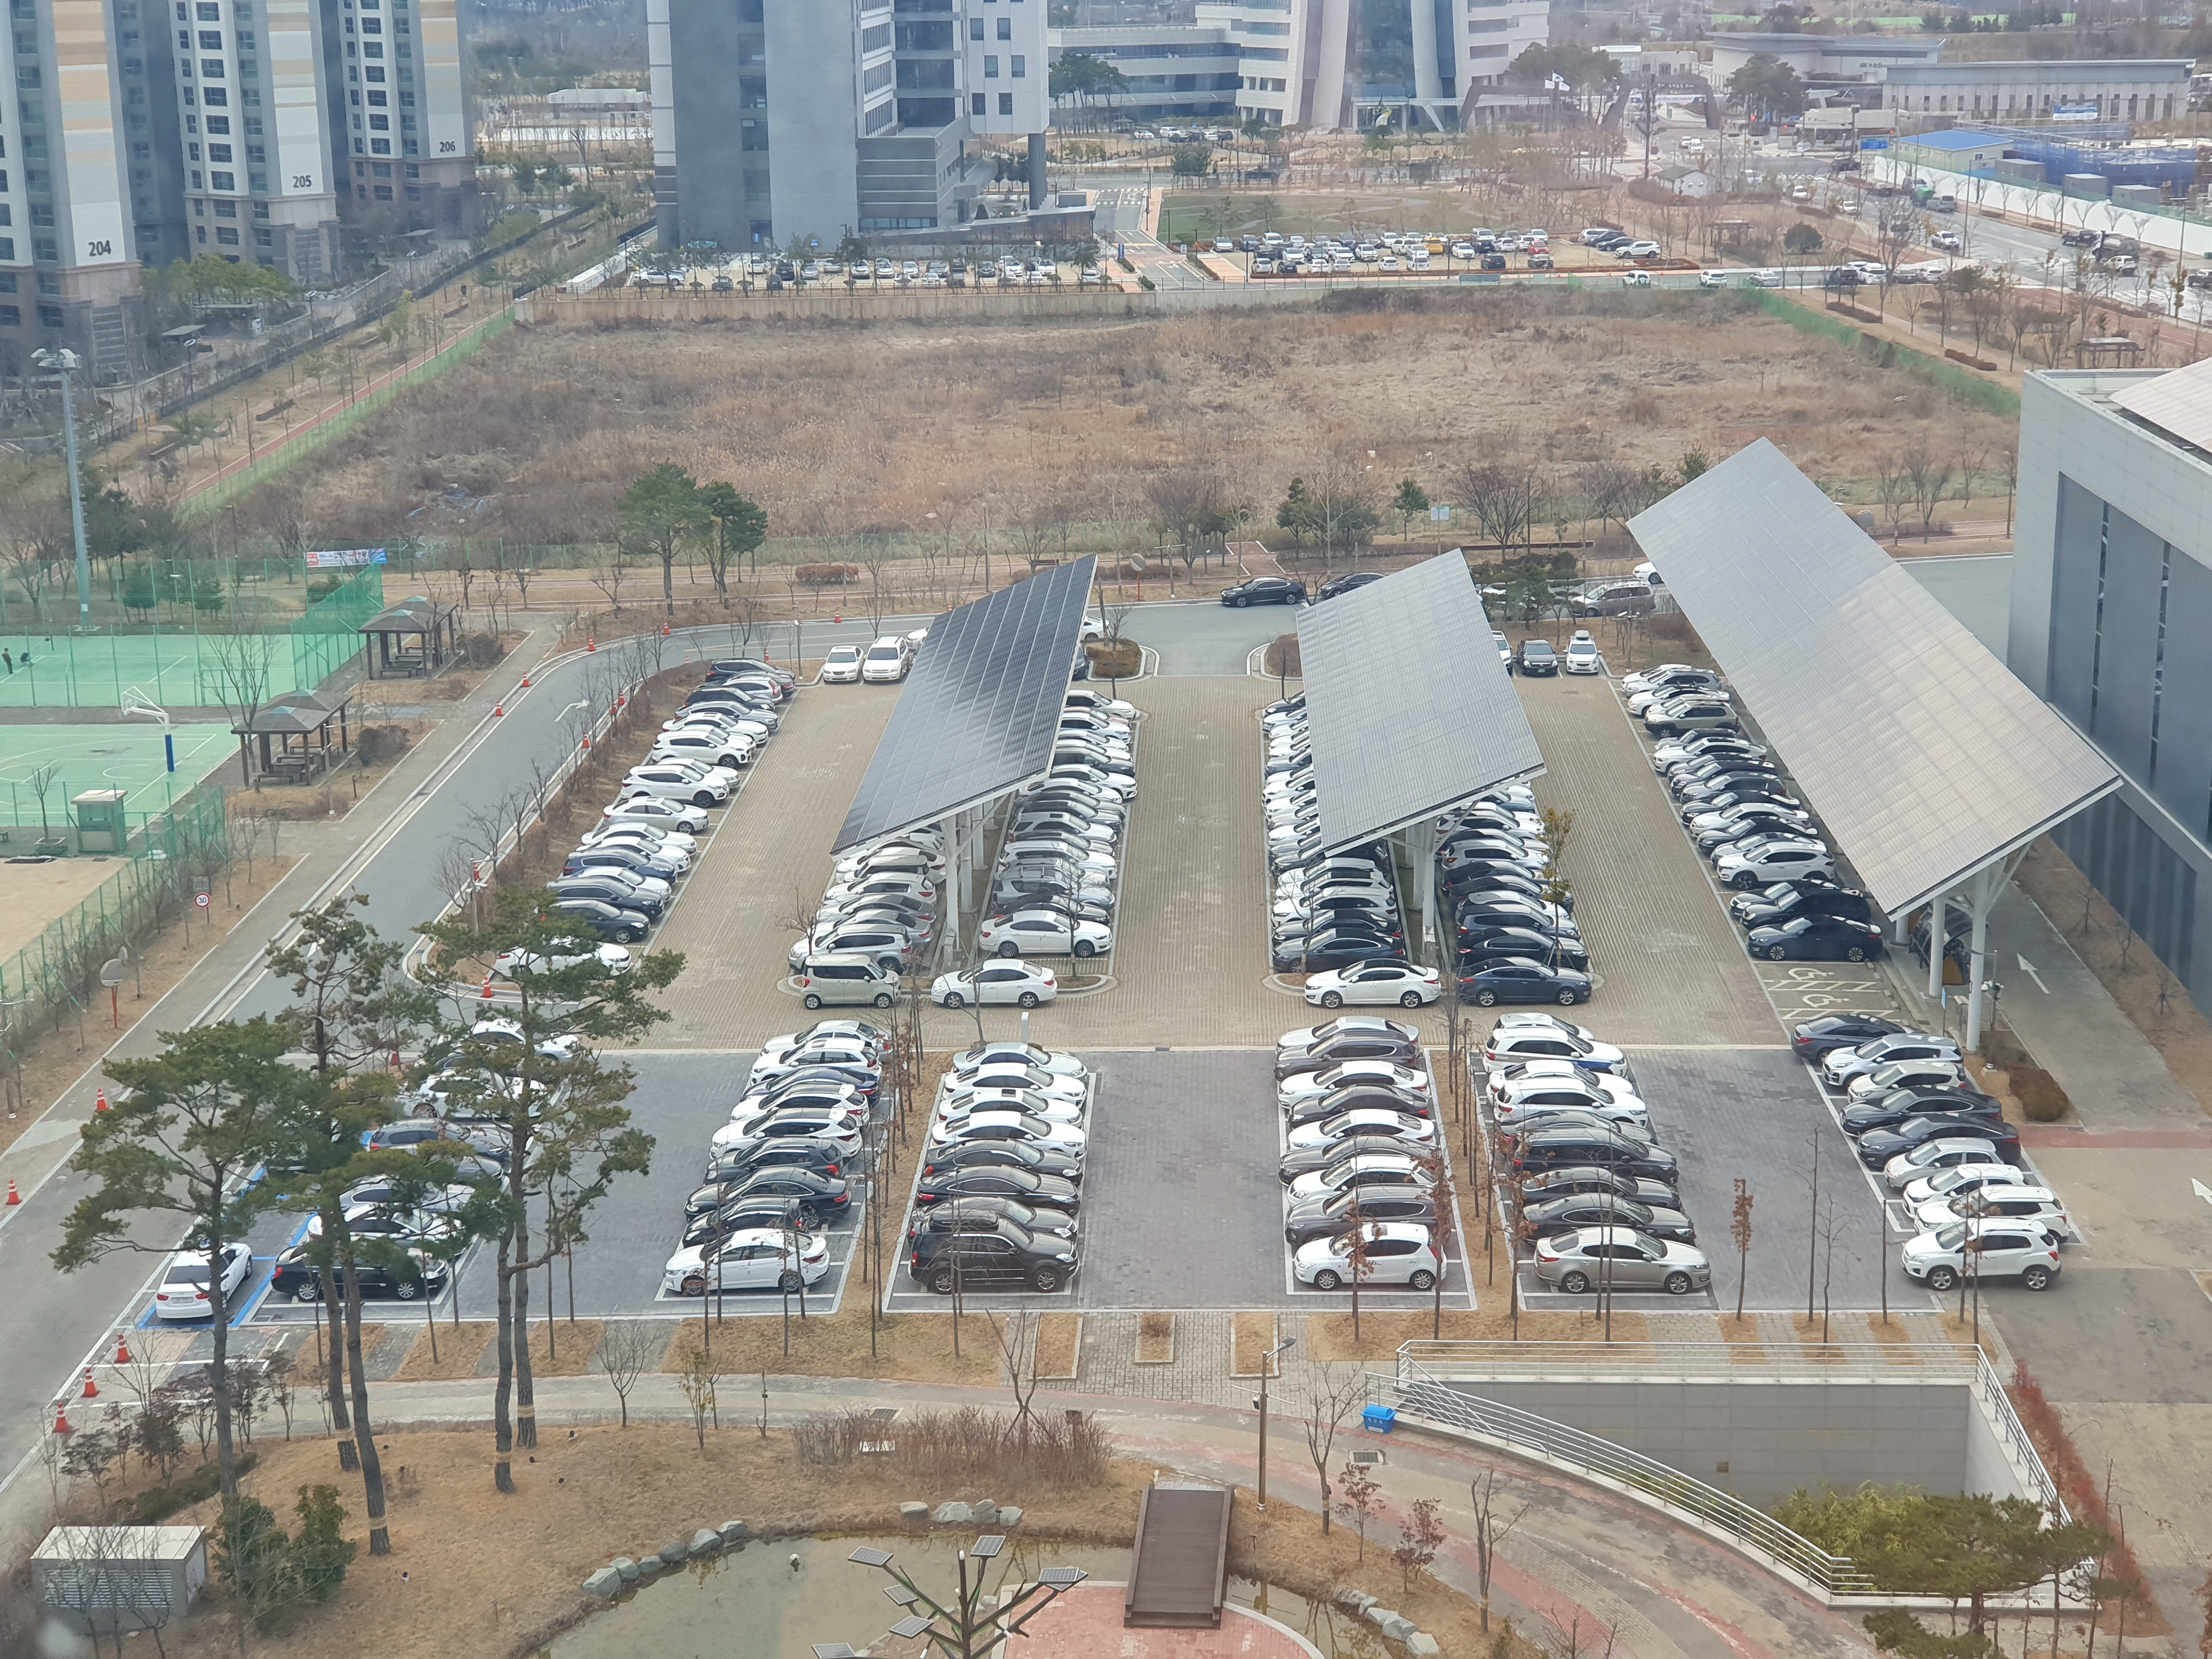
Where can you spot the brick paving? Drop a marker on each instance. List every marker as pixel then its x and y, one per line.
pixel 1086 1624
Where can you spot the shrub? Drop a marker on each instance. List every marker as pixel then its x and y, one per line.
pixel 194 1486
pixel 969 1445
pixel 1283 657
pixel 378 743
pixel 2041 1100
pixel 825 575
pixel 483 650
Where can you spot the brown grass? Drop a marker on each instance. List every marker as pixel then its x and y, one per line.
pixel 554 422
pixel 1329 1336
pixel 914 1348
pixel 459 1352
pixel 1745 1345
pixel 1894 1331
pixel 1250 1336
pixel 1156 1340
pixel 572 1345
pixel 1059 1347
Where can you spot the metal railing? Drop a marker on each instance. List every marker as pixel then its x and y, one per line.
pixel 1915 1362
pixel 2012 1434
pixel 1416 1394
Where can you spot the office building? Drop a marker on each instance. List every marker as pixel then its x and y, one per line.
pixel 2091 90
pixel 775 122
pixel 1173 71
pixel 1836 69
pixel 2111 605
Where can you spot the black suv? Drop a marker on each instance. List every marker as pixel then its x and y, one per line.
pixel 1265 590
pixel 1006 1258
pixel 300 1278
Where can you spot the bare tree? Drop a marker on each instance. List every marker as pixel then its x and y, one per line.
pixel 1489 1530
pixel 237 661
pixel 1017 1337
pixel 1740 1235
pixel 1329 1398
pixel 609 566
pixel 1503 495
pixel 627 1346
pixel 1930 480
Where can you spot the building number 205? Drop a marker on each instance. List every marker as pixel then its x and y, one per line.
pixel 98 250
pixel 303 181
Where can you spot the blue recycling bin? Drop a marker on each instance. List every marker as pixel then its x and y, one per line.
pixel 1379 1420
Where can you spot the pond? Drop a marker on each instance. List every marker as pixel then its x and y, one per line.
pixel 750 1603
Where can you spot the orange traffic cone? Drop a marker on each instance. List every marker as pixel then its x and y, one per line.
pixel 91 1387
pixel 122 1350
pixel 497 710
pixel 13 1197
pixel 487 989
pixel 61 1420
pixel 591 643
pixel 664 630
pixel 526 682
pixel 841 616
pixel 100 1102
pixel 587 740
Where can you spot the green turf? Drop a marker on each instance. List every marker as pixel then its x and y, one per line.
pixel 178 671
pixel 127 756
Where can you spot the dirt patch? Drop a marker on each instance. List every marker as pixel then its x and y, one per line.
pixel 1329 1336
pixel 914 1347
pixel 33 894
pixel 459 1352
pixel 572 1346
pixel 2154 1001
pixel 1250 1336
pixel 1282 658
pixel 1059 1348
pixel 1156 1340
pixel 1745 1345
pixel 1817 1339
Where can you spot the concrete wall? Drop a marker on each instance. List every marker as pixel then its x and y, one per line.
pixel 1762 1440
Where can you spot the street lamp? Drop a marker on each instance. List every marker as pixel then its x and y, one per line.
pixel 964 1629
pixel 1266 1364
pixel 63 361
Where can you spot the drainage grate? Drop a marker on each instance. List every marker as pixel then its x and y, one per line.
pixel 884 1413
pixel 1367 1458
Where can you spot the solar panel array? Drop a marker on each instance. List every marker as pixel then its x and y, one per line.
pixel 1921 752
pixel 1410 708
pixel 980 710
pixel 2178 402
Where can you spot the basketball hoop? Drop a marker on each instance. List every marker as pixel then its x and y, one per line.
pixel 137 705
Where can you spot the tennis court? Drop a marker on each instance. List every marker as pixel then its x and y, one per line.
pixel 128 756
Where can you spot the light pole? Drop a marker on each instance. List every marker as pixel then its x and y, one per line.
pixel 964 1628
pixel 63 362
pixel 1266 1364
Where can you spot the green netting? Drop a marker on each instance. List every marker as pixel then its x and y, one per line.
pixel 182 633
pixel 1998 400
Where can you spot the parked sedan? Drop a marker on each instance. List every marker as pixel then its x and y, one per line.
pixel 1519 980
pixel 1390 1252
pixel 1376 982
pixel 568 953
pixel 1307 1036
pixel 1816 1039
pixel 1414 1131
pixel 1879 1148
pixel 1622 1259
pixel 183 1292
pixel 1020 1128
pixel 301 1280
pixel 1961 1180
pixel 1410 1080
pixel 1333 1218
pixel 1019 983
pixel 981 1214
pixel 1265 590
pixel 1818 939
pixel 1787 900
pixel 1353 1043
pixel 1536 657
pixel 763 1259
pixel 1561 1215
pixel 1005 1181
pixel 1042 932
pixel 1886 1111
pixel 1840 1067
pixel 660 814
pixel 1569 1180
pixel 617 889
pixel 1366 1170
pixel 1489 946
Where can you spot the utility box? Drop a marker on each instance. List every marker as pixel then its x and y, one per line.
pixel 2014 171
pixel 2091 186
pixel 2138 195
pixel 103 1580
pixel 101 827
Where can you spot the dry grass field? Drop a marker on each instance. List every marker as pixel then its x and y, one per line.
pixel 1026 430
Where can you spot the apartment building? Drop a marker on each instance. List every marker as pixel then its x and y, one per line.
pixel 398 133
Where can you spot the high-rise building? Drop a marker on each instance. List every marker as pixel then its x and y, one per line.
pixel 243 129
pixel 810 120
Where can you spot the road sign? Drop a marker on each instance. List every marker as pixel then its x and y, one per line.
pixel 200 899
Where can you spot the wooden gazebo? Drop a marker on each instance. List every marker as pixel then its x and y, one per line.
pixel 292 737
pixel 412 638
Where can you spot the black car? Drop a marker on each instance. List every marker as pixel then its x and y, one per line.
pixel 750 667
pixel 611 889
pixel 1265 590
pixel 607 921
pixel 1348 944
pixel 1006 1258
pixel 1887 1111
pixel 704 1232
pixel 1816 1039
pixel 1488 876
pixel 1485 913
pixel 1001 1154
pixel 817 1198
pixel 1328 1218
pixel 983 1215
pixel 1007 1182
pixel 1535 656
pixel 1323 1109
pixel 1552 1149
pixel 1570 1180
pixel 1798 896
pixel 1817 938
pixel 1350 1045
pixel 747 1158
pixel 1505 944
pixel 1878 1147
pixel 1563 1215
pixel 300 1278
pixel 1735 800
pixel 1522 980
pixel 585 860
pixel 1345 584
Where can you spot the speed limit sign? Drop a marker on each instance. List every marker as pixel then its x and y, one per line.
pixel 200 899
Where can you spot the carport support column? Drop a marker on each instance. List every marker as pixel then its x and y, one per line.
pixel 1988 885
pixel 1935 943
pixel 956 883
pixel 1421 848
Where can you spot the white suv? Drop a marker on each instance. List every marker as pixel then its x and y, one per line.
pixel 1779 860
pixel 1582 654
pixel 2021 1250
pixel 885 663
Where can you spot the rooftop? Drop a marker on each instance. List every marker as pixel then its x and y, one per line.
pixel 2014 69
pixel 1960 140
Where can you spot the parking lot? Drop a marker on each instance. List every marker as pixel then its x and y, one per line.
pixel 1181 1204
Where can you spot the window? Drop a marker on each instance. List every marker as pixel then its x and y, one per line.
pixel 7 282
pixel 1005 29
pixel 380 147
pixel 209 12
pixel 219 125
pixel 50 317
pixel 991 67
pixel 384 192
pixel 376 76
pixel 376 99
pixel 246 41
pixel 218 152
pixel 226 210
pixel 216 97
pixel 752 135
pixel 222 181
pixel 197 185
pixel 210 39
pixel 253 125
pixel 371 26
pixel 976 102
pixel 380 124
pixel 11 316
pixel 1006 103
pixel 372 49
pixel 1021 65
pixel 261 210
pixel 263 237
pixel 227 235
pixel 381 170
pixel 211 69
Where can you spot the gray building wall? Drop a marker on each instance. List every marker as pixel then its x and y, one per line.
pixel 813 122
pixel 717 49
pixel 1762 1441
pixel 2112 609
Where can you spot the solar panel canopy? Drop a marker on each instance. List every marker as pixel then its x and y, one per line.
pixel 980 709
pixel 1923 755
pixel 2179 401
pixel 1410 710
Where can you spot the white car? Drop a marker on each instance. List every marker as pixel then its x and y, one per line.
pixel 1043 933
pixel 1843 1065
pixel 1099 866
pixel 1050 1108
pixel 567 953
pixel 1397 1253
pixel 822 1051
pixel 1950 1152
pixel 751 1259
pixel 1509 1044
pixel 1017 1074
pixel 675 780
pixel 1405 1080
pixel 1023 1127
pixel 985 1056
pixel 2016 1205
pixel 843 665
pixel 1779 860
pixel 885 663
pixel 650 810
pixel 1416 1131
pixel 1961 1180
pixel 1082 697
pixel 1504 1079
pixel 723 750
pixel 1644 679
pixel 1378 983
pixel 2020 1250
pixel 994 982
pixel 845 1136
pixel 677 845
pixel 1582 656
pixel 183 1292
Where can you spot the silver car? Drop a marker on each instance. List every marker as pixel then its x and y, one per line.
pixel 1622 1259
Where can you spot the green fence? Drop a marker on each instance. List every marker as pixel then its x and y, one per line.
pixel 1998 400
pixel 173 857
pixel 184 633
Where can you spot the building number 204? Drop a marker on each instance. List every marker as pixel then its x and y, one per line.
pixel 98 250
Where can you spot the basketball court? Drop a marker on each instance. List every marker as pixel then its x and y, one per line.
pixel 127 755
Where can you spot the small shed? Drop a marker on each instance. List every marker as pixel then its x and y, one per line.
pixel 1684 181
pixel 413 637
pixel 102 1580
pixel 292 735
